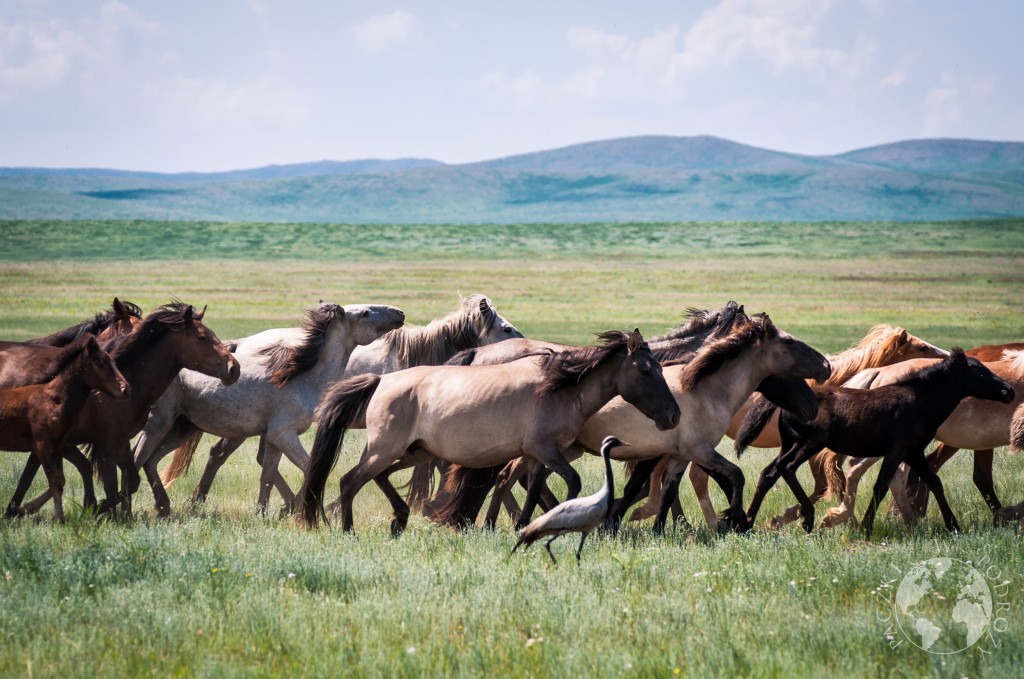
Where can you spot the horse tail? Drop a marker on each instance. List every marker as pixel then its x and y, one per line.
pixel 343 404
pixel 1017 430
pixel 832 464
pixel 463 493
pixel 182 458
pixel 754 423
pixel 421 485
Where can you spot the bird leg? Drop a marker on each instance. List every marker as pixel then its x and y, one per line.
pixel 580 550
pixel 547 546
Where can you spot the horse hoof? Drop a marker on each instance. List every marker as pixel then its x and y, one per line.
pixel 397 527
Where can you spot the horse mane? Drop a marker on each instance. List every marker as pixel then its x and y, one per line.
pixel 102 321
pixel 71 352
pixel 286 362
pixel 1016 359
pixel 168 318
pixel 676 346
pixel 882 343
pixel 439 340
pixel 715 354
pixel 936 369
pixel 563 369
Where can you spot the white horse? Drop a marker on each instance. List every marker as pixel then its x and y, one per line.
pixel 276 395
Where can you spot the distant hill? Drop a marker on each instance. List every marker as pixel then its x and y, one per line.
pixel 634 179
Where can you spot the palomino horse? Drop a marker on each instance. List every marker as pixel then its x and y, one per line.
pixel 894 422
pixel 475 323
pixel 975 424
pixel 38 418
pixel 276 396
pixel 678 346
pixel 168 339
pixel 883 345
pixel 480 416
pixel 708 390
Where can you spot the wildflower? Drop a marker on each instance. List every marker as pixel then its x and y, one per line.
pixel 676 671
pixel 214 569
pixel 410 650
pixel 291 575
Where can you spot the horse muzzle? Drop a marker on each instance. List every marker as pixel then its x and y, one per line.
pixel 1008 394
pixel 232 373
pixel 671 423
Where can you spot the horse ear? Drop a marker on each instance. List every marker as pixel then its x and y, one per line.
pixel 120 311
pixel 199 314
pixel 903 334
pixel 635 341
pixel 957 355
pixel 91 345
pixel 188 313
pixel 484 306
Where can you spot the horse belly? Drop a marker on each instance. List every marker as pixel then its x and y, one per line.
pixel 977 425
pixel 629 425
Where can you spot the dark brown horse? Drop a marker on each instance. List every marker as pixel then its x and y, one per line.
pixel 169 339
pixel 38 360
pixel 39 418
pixel 894 422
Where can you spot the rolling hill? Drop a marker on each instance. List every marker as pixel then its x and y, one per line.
pixel 634 179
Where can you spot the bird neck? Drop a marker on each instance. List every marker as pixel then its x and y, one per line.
pixel 609 482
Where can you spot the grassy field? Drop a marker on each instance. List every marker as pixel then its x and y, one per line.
pixel 220 591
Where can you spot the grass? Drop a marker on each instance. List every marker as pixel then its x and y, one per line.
pixel 219 590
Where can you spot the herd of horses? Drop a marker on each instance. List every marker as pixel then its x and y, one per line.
pixel 471 400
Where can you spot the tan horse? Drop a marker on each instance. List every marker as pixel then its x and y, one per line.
pixel 883 345
pixel 479 416
pixel 975 424
pixel 708 390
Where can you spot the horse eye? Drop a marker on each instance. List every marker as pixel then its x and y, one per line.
pixel 508 330
pixel 366 313
pixel 645 372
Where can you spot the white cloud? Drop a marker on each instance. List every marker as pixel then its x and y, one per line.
pixel 383 31
pixel 945 103
pixel 206 104
pixel 526 89
pixel 894 79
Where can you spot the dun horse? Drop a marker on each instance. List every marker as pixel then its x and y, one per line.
pixel 894 422
pixel 480 416
pixel 475 323
pixel 39 418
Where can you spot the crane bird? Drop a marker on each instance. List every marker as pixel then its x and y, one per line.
pixel 580 515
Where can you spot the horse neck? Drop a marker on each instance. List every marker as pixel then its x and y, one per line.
pixel 153 371
pixel 734 382
pixel 936 395
pixel 677 345
pixel 431 344
pixel 69 387
pixel 333 357
pixel 597 387
pixel 848 363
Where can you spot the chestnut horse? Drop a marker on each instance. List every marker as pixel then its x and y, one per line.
pixel 894 422
pixel 168 339
pixel 479 416
pixel 39 418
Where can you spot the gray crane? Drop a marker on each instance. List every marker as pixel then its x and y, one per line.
pixel 580 515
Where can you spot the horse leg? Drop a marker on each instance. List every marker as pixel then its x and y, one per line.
pixel 538 479
pixel 285 440
pixel 32 465
pixel 729 477
pixel 817 466
pixel 130 478
pixel 916 488
pixel 53 467
pixel 983 481
pixel 380 453
pixel 789 474
pixel 183 430
pixel 918 463
pixel 507 477
pixel 670 478
pixel 889 464
pixel 768 478
pixel 84 467
pixel 634 486
pixel 699 481
pixel 855 470
pixel 399 506
pixel 219 454
pixel 549 455
pixel 898 488
pixel 652 486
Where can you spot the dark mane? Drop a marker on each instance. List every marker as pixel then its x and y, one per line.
pixel 438 341
pixel 681 343
pixel 287 362
pixel 97 325
pixel 71 352
pixel 168 318
pixel 715 354
pixel 936 370
pixel 566 368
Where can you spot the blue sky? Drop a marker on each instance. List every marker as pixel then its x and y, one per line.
pixel 174 86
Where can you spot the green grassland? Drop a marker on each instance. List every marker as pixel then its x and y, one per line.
pixel 218 590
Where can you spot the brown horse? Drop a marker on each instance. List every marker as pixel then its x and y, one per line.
pixel 895 422
pixel 974 424
pixel 37 360
pixel 480 416
pixel 169 339
pixel 39 418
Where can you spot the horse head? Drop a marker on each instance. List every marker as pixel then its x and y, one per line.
pixel 641 383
